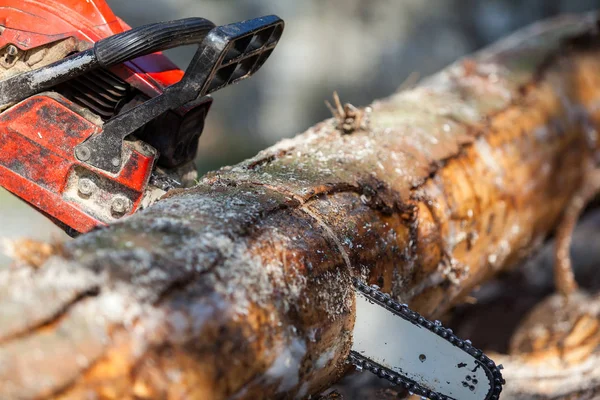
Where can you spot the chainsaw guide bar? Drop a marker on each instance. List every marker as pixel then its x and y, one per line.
pixel 403 347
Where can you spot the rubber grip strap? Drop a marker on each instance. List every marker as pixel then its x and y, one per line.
pixel 151 38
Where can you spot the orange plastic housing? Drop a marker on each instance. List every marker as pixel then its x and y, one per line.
pixel 38 135
pixel 37 163
pixel 33 23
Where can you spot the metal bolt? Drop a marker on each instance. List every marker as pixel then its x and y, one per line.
pixel 86 187
pixel 83 153
pixel 12 50
pixel 120 205
pixel 116 162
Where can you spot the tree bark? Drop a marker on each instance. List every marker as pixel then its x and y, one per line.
pixel 241 286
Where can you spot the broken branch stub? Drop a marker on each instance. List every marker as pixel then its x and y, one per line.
pixel 241 287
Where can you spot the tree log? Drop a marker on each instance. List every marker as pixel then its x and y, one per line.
pixel 241 286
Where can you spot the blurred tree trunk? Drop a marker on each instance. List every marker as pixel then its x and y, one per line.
pixel 240 287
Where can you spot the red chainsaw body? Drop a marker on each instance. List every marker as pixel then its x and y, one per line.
pixel 37 163
pixel 38 135
pixel 95 123
pixel 32 23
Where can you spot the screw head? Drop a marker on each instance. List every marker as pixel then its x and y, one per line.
pixel 116 162
pixel 120 205
pixel 12 50
pixel 83 153
pixel 86 187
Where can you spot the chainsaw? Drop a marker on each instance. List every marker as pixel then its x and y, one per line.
pixel 97 124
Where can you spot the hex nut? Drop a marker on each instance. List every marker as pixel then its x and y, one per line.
pixel 86 187
pixel 12 50
pixel 120 205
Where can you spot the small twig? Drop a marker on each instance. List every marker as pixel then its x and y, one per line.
pixel 349 118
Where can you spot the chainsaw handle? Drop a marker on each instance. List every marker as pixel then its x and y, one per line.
pixel 151 38
pixel 227 55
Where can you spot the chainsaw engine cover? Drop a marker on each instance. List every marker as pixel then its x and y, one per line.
pixel 37 163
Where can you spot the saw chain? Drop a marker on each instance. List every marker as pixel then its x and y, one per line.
pixel 469 370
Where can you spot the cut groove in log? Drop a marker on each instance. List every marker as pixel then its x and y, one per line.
pixel 241 287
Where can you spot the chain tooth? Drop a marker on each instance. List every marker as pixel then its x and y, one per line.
pixel 436 327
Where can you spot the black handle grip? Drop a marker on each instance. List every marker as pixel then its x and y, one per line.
pixel 227 55
pixel 150 39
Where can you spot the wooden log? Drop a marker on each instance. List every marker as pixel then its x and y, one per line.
pixel 240 287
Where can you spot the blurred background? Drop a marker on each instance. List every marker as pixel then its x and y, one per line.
pixel 363 49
